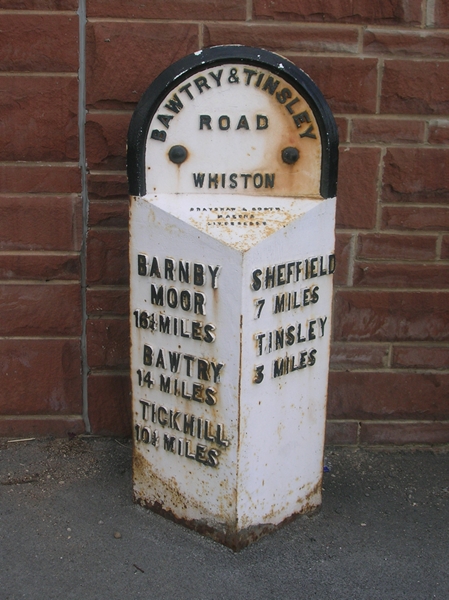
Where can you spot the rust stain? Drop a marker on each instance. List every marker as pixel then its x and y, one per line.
pixel 143 474
pixel 295 127
pixel 225 533
pixel 228 535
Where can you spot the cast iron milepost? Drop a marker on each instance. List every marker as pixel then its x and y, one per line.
pixel 232 165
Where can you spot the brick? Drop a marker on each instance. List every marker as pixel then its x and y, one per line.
pixel 387 131
pixel 108 344
pixel 228 10
pixel 39 4
pixel 107 257
pixel 383 395
pixel 358 356
pixel 39 43
pixel 348 84
pixel 108 302
pixel 395 12
pixel 118 65
pixel 107 186
pixel 398 247
pixel 109 214
pixel 422 43
pixel 440 14
pixel 357 187
pixel 45 267
pixel 341 433
pixel 391 316
pixel 416 175
pixel 404 433
pixel 439 131
pixel 40 377
pixel 420 357
pixel 39 120
pixel 39 223
pixel 445 247
pixel 417 219
pixel 110 404
pixel 415 87
pixel 41 426
pixel 106 140
pixel 342 252
pixel 31 310
pixel 398 275
pixel 23 178
pixel 283 38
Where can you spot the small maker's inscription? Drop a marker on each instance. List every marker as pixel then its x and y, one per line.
pixel 237 217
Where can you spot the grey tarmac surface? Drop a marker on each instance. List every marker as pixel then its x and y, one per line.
pixel 69 530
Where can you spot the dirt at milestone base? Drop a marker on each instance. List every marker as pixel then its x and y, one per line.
pixel 43 464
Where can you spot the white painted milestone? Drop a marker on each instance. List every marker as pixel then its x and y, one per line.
pixel 232 257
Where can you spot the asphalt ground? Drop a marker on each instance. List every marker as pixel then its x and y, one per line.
pixel 69 530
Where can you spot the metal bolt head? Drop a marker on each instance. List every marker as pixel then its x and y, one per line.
pixel 290 155
pixel 177 154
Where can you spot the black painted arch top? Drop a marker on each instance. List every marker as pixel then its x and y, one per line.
pixel 221 55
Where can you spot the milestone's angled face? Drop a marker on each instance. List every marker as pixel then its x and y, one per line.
pixel 230 129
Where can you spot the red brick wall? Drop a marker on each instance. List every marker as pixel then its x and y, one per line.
pixel 383 67
pixel 40 220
